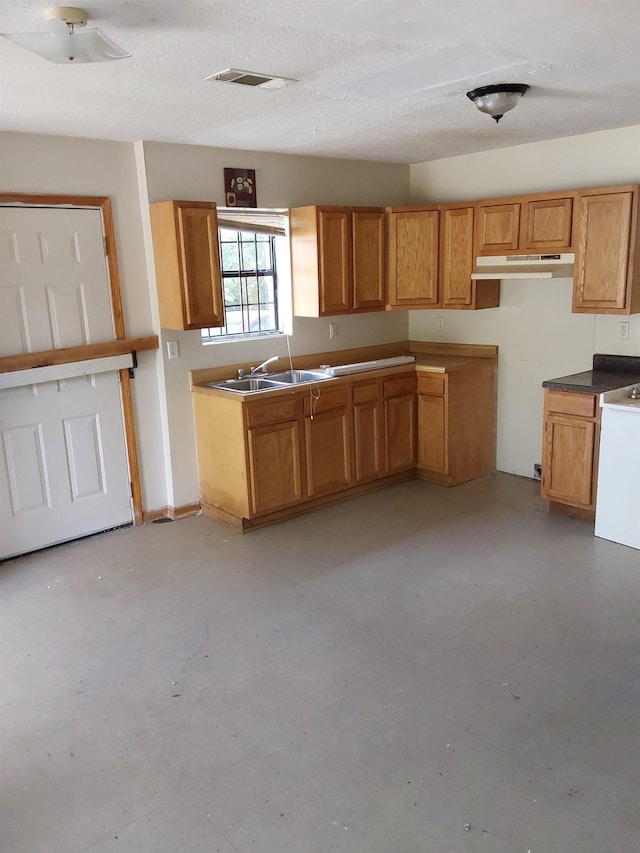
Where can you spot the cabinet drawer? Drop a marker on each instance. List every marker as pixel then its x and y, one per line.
pixel 273 411
pixel 571 403
pixel 338 398
pixel 365 393
pixel 400 387
pixel 431 385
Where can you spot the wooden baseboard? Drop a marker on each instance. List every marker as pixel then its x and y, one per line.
pixel 448 479
pixel 245 524
pixel 172 512
pixel 579 513
pixel 432 477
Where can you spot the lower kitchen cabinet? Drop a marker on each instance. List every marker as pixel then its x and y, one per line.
pixel 457 423
pixel 368 441
pixel 327 431
pixel 432 446
pixel 570 452
pixel 274 466
pixel 266 457
pixel 400 423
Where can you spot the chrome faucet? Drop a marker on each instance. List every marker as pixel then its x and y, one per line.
pixel 262 368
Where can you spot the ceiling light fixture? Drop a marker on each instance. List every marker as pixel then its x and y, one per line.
pixel 67 41
pixel 498 99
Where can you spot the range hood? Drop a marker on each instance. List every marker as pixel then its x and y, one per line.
pixel 524 266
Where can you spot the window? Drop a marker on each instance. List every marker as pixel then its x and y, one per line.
pixel 248 258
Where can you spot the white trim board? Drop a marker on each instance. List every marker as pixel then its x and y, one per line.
pixel 71 370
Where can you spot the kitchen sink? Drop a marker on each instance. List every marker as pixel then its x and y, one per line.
pixel 293 377
pixel 248 384
pixel 270 381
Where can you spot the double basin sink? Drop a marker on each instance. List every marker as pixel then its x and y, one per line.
pixel 247 384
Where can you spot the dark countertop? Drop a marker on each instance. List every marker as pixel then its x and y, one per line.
pixel 608 372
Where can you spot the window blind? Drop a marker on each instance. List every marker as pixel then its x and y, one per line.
pixel 257 220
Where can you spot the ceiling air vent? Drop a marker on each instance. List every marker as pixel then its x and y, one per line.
pixel 251 78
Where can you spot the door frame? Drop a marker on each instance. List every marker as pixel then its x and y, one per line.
pixel 103 205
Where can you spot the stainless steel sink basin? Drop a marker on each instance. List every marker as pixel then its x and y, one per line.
pixel 293 377
pixel 273 380
pixel 245 386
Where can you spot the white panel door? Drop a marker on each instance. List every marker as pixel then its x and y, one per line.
pixel 63 460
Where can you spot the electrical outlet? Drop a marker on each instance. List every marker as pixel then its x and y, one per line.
pixel 333 331
pixel 623 330
pixel 537 472
pixel 173 349
pixel 441 324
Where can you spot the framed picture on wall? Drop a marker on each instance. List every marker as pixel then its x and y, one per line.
pixel 240 187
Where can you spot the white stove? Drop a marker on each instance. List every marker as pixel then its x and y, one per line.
pixel 618 501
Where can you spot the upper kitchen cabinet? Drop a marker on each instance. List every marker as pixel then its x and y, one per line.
pixel 498 231
pixel 457 290
pixel 187 262
pixel 547 225
pixel 337 260
pixel 413 235
pixel 431 251
pixel 607 272
pixel 528 224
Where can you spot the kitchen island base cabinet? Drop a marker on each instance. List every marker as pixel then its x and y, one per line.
pixel 457 424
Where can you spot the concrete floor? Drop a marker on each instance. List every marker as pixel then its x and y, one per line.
pixel 369 678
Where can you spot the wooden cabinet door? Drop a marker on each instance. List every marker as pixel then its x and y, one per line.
pixel 328 450
pixel 187 264
pixel 546 225
pixel 274 466
pixel 568 460
pixel 456 253
pixel 369 291
pixel 367 432
pixel 432 444
pixel 200 263
pixel 498 228
pixel 334 250
pixel 601 272
pixel 413 258
pixel 400 423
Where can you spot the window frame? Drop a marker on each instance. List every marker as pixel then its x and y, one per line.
pixel 278 304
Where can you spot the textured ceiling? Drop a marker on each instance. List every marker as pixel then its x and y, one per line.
pixel 379 79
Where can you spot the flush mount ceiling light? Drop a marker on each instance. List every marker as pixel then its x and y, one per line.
pixel 67 41
pixel 498 99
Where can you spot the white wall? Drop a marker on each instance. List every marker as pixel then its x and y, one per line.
pixel 196 173
pixel 58 165
pixel 538 336
pixel 132 175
